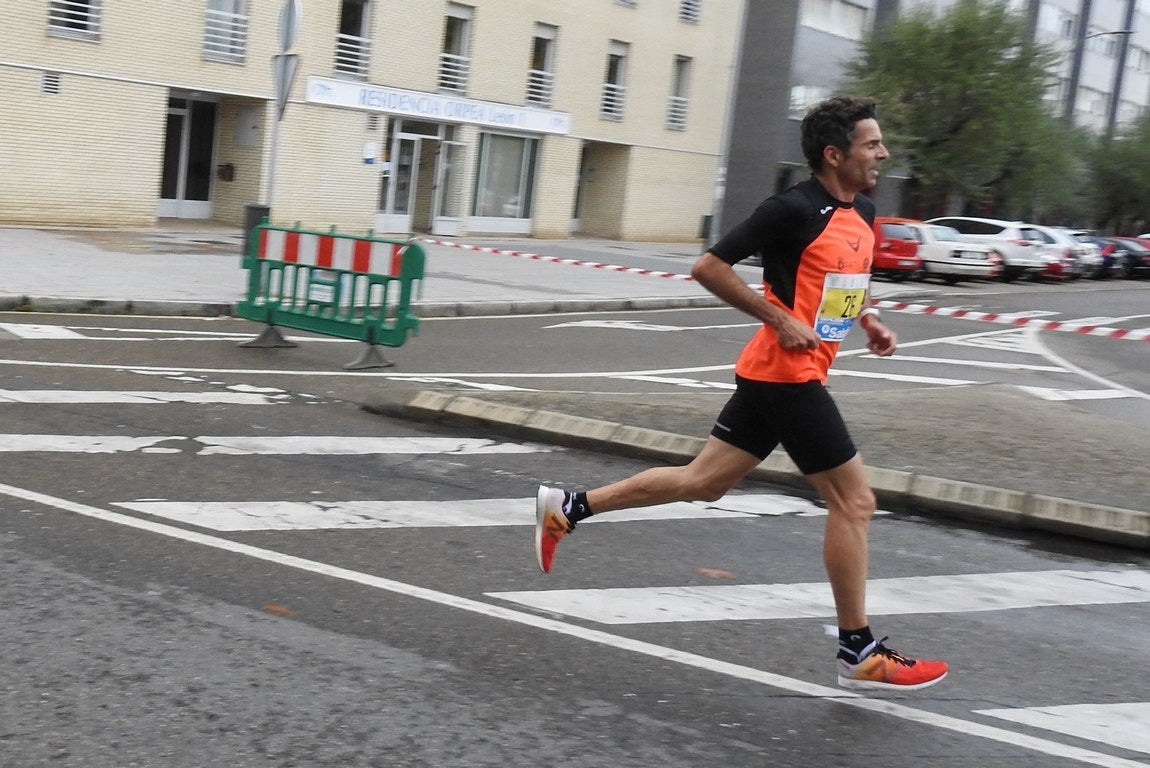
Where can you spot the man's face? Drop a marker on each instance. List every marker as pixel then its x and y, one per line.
pixel 858 169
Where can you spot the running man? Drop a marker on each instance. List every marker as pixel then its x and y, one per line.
pixel 816 241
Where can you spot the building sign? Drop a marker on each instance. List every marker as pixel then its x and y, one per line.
pixel 435 106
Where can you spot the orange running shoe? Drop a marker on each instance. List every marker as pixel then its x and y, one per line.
pixel 551 525
pixel 883 669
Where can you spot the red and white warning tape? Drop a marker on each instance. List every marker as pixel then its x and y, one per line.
pixel 1019 321
pixel 895 306
pixel 557 260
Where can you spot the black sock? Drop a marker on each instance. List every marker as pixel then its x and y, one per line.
pixel 575 506
pixel 854 644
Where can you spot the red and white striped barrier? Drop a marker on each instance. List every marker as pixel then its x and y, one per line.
pixel 894 306
pixel 1017 321
pixel 334 251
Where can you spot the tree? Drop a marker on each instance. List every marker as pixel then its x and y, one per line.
pixel 962 101
pixel 1121 183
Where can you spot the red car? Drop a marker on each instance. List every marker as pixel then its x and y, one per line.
pixel 895 250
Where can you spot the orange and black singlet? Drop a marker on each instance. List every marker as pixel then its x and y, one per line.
pixel 816 254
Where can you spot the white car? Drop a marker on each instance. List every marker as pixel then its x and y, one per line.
pixel 951 256
pixel 1069 258
pixel 1011 239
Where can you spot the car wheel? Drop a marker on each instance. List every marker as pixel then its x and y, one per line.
pixel 950 279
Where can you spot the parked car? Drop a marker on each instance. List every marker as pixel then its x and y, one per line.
pixel 1021 257
pixel 1137 261
pixel 1091 263
pixel 895 250
pixel 1112 251
pixel 950 256
pixel 1066 258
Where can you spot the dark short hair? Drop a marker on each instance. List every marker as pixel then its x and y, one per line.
pixel 831 123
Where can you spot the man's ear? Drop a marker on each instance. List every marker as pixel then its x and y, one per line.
pixel 832 156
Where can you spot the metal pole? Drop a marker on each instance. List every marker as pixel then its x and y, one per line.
pixel 1116 94
pixel 272 152
pixel 1076 62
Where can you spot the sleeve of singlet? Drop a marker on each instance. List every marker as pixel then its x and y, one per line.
pixel 761 232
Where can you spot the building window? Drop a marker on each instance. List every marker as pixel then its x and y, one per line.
pixel 226 31
pixel 677 105
pixel 74 18
pixel 455 61
pixel 844 18
pixel 353 41
pixel 614 82
pixel 689 10
pixel 803 97
pixel 541 77
pixel 1067 24
pixel 506 176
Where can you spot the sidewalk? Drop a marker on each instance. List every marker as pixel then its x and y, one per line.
pixel 985 453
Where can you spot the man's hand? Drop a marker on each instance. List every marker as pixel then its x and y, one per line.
pixel 881 340
pixel 794 336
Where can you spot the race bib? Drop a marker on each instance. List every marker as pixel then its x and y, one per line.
pixel 843 299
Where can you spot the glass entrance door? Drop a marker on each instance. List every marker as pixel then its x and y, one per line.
pixel 189 144
pixel 448 205
pixel 398 186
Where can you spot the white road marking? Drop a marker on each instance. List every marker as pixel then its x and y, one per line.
pixel 243 445
pixel 340 445
pixel 1046 351
pixel 83 444
pixel 634 325
pixel 715 666
pixel 464 513
pixel 959 593
pixel 903 377
pixel 34 331
pixel 970 363
pixel 1046 393
pixel 1120 725
pixel 133 397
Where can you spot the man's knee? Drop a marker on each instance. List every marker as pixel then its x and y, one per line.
pixel 858 506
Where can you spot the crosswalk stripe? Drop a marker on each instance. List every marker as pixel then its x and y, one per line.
pixel 1125 725
pixel 334 515
pixel 130 397
pixel 34 331
pixel 337 445
pixel 959 593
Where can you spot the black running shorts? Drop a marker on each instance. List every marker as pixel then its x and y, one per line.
pixel 802 417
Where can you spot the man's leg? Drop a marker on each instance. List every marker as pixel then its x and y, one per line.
pixel 717 468
pixel 709 475
pixel 863 662
pixel 850 506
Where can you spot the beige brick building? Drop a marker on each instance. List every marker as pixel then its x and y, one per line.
pixel 525 117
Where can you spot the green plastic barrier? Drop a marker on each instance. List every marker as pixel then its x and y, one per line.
pixel 295 287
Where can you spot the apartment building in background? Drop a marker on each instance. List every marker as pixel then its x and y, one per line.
pixel 514 117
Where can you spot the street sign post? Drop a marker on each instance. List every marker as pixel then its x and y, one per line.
pixel 284 68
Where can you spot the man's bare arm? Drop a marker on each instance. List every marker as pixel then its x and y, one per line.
pixel 720 278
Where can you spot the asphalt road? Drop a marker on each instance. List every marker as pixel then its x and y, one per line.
pixel 212 556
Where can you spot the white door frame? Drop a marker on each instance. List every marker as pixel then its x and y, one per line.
pixel 178 207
